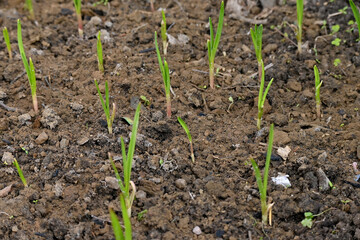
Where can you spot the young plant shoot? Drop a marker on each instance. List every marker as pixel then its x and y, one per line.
pixel 263 181
pixel 118 232
pixel 30 71
pixel 300 13
pixel 163 33
pixel 317 91
pixel 29 7
pixel 164 68
pixel 213 44
pixel 77 4
pixel 262 95
pixel 256 36
pixel 356 13
pixel 7 41
pixel 106 105
pixel 100 53
pixel 21 175
pixel 185 127
pixel 126 198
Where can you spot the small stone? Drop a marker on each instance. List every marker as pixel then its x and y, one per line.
pixel 82 141
pixel 4 124
pixel 112 182
pixel 281 138
pixel 14 228
pixel 294 85
pixel 140 194
pixel 323 180
pixel 322 157
pixel 357 233
pixel 356 219
pixel 358 152
pixel 2 94
pixel 108 24
pixel 24 118
pixel 7 158
pixel 270 48
pixel 180 183
pixel 94 21
pixel 64 143
pixel 42 138
pixel 58 189
pixel 49 118
pixel 76 106
pixel 197 230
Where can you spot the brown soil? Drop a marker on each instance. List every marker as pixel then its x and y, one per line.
pixel 68 174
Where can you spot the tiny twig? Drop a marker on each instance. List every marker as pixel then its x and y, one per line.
pixel 287 38
pixel 7 108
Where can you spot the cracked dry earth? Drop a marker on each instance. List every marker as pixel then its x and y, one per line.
pixel 63 150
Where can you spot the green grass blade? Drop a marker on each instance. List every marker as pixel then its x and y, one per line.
pixel 21 175
pixel 262 83
pixel 257 175
pixel 356 13
pixel 185 127
pixel 131 148
pixel 268 158
pixel 118 233
pixel 32 78
pixel 317 83
pixel 167 78
pixel 256 36
pixel 219 30
pixel 300 12
pixel 266 91
pixel 126 218
pixel 77 4
pixel 21 49
pixel 100 53
pixel 117 175
pixel 105 106
pixel 7 41
pixel 211 33
pixel 29 7
pixel 107 101
pixel 158 55
pixel 163 26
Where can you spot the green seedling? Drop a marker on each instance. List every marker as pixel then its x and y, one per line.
pixel 335 29
pixel 100 53
pixel 106 105
pixel 164 68
pixel 141 214
pixel 145 100
pixel 256 36
pixel 163 33
pixel 77 4
pixel 356 13
pixel 105 2
pixel 262 95
pixel 263 181
pixel 21 175
pixel 7 41
pixel 118 232
pixel 309 218
pixel 29 7
pixel 300 14
pixel 213 44
pixel 29 67
pixel 337 61
pixel 317 91
pixel 126 198
pixel 127 164
pixel 185 127
pixel 336 42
